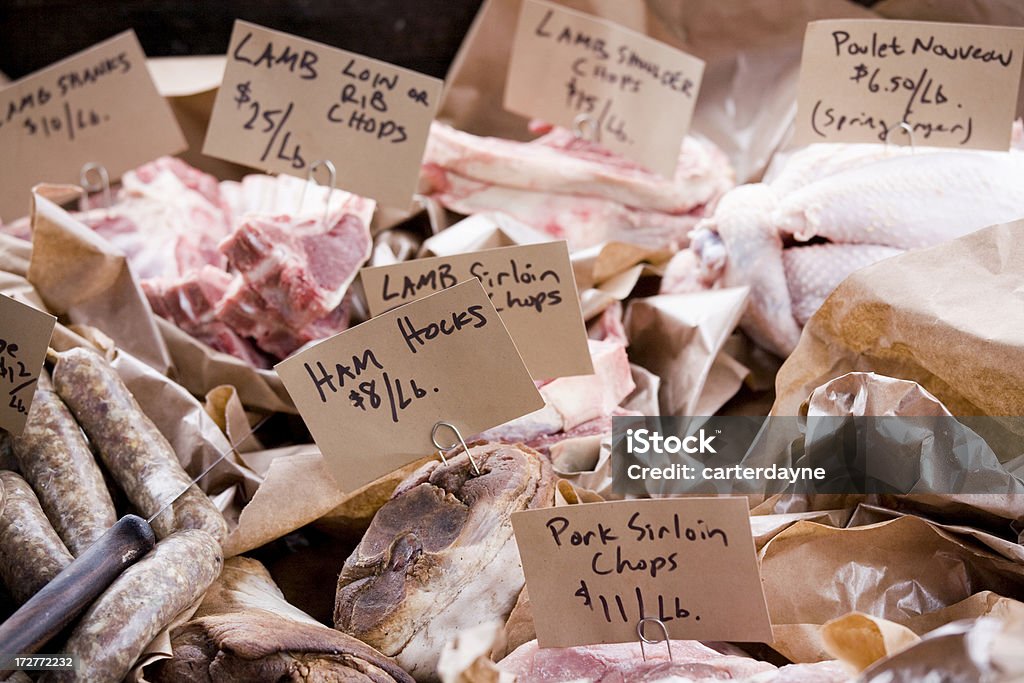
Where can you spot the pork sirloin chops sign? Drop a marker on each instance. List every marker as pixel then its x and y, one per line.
pixel 286 103
pixel 371 395
pixel 594 570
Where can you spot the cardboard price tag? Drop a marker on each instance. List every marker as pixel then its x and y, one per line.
pixel 371 395
pixel 24 335
pixel 99 105
pixel 532 288
pixel 593 571
pixel 953 85
pixel 632 94
pixel 286 103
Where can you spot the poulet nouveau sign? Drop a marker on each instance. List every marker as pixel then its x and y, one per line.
pixel 940 85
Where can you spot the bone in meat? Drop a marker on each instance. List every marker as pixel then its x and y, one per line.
pixel 440 556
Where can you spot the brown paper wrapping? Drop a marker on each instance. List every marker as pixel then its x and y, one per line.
pixel 964 652
pixel 254 489
pixel 679 337
pixel 83 278
pixel 860 640
pixel 874 569
pixel 947 318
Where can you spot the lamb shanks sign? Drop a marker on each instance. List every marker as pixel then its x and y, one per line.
pixel 99 105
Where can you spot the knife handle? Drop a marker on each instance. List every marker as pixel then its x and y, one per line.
pixel 60 601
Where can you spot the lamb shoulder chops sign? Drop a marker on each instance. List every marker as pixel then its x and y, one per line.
pixel 99 106
pixel 632 94
pixel 286 103
pixel 372 394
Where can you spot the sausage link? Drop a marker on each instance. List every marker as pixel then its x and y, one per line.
pixel 31 552
pixel 135 452
pixel 55 459
pixel 139 604
pixel 7 461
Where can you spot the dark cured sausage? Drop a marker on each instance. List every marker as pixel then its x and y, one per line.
pixel 55 459
pixel 135 452
pixel 31 553
pixel 139 604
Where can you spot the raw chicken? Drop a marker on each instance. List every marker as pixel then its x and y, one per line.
pixel 574 189
pixel 834 209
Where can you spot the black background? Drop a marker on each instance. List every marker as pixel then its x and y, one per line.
pixel 421 35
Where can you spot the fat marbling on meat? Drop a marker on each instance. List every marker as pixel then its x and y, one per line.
pixel 440 556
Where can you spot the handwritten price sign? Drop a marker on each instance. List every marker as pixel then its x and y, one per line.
pixel 287 103
pixel 99 105
pixel 24 335
pixel 532 287
pixel 947 85
pixel 371 395
pixel 689 562
pixel 629 92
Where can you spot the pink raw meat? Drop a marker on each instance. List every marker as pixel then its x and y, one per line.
pixel 581 221
pixel 559 163
pixel 251 316
pixel 574 189
pixel 624 663
pixel 570 402
pixel 190 303
pixel 300 269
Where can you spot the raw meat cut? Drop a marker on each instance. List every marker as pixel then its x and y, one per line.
pixel 831 210
pixel 191 301
pixel 302 268
pixel 440 556
pixel 570 402
pixel 574 189
pixel 581 221
pixel 256 268
pixel 167 219
pixel 251 316
pixel 560 163
pixel 245 630
pixel 623 662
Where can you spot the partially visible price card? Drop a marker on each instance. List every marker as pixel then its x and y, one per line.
pixel 286 103
pixel 631 93
pixel 371 395
pixel 872 80
pixel 99 105
pixel 24 336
